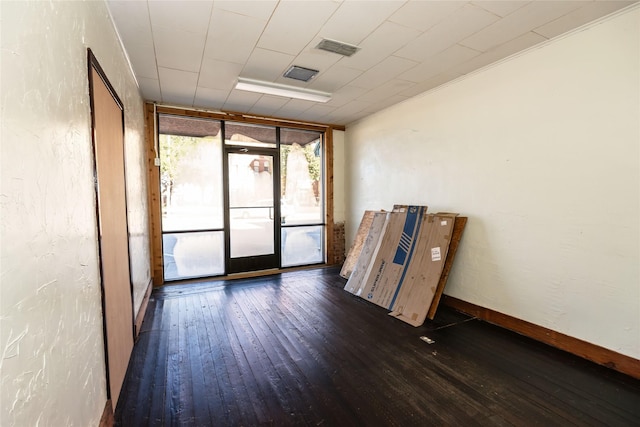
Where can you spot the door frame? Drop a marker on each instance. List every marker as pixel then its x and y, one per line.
pixel 124 338
pixel 261 262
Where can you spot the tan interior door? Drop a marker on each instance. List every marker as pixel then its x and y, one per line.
pixel 112 219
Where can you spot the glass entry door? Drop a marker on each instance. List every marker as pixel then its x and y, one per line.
pixel 252 210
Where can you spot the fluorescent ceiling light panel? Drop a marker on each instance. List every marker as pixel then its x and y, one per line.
pixel 277 89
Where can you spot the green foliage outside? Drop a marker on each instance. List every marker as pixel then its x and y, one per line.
pixel 313 162
pixel 173 149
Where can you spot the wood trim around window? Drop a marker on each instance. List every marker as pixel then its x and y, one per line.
pixel 246 118
pixel 155 210
pixel 328 185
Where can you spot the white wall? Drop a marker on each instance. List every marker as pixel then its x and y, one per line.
pixel 541 152
pixel 52 363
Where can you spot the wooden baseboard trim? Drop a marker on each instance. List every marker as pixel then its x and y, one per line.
pixel 107 419
pixel 586 350
pixel 143 308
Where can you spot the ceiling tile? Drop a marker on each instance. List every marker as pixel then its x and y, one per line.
pixel 232 37
pixel 294 24
pixel 351 118
pixel 386 39
pixel 261 9
pixel 210 98
pixel 133 21
pixel 294 107
pixel 177 87
pixel 179 50
pixel 533 15
pixel 150 88
pixel 368 15
pixel 317 110
pixel 268 105
pixel 499 52
pixel 210 43
pixel 500 7
pixel 439 63
pixel 218 74
pixel 350 108
pixel 240 100
pixel 126 11
pixel 136 35
pixel 579 17
pixel 143 60
pixel 469 20
pixel 422 15
pixel 430 84
pixel 347 113
pixel 346 95
pixel 378 74
pixel 266 65
pixel 335 77
pixel 192 16
pixel 386 90
pixel 384 103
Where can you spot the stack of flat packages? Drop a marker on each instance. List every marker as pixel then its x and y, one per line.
pixel 401 260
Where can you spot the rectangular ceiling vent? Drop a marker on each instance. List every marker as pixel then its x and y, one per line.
pixel 300 73
pixel 340 48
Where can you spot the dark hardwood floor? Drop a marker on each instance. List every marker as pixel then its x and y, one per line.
pixel 295 349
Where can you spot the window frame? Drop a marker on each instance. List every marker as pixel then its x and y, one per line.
pixel 155 215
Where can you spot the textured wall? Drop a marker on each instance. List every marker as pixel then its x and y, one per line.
pixel 542 153
pixel 52 363
pixel 136 178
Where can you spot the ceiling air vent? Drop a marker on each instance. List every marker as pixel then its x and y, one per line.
pixel 300 73
pixel 337 47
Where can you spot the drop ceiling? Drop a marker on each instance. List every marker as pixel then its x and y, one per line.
pixel 191 53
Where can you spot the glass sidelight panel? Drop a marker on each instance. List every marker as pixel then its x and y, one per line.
pixel 251 205
pixel 301 177
pixel 190 174
pixel 191 188
pixel 302 208
pixel 302 245
pixel 197 254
